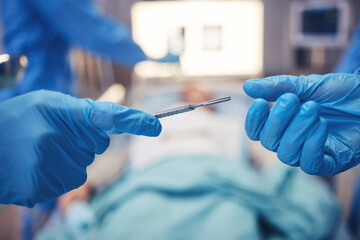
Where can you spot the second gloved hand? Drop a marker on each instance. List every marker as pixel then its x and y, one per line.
pixel 47 139
pixel 314 123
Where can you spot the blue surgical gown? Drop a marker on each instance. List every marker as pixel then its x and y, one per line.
pixel 350 61
pixel 44 31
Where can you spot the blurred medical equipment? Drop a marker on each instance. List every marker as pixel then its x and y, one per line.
pixel 59 136
pixel 320 23
pixel 208 44
pixel 317 26
pixel 189 108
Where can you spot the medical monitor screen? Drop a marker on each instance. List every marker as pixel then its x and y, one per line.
pixel 320 21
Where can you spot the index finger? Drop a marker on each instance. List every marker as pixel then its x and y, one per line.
pixel 114 118
pixel 271 88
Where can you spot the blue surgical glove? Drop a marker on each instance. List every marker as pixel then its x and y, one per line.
pixel 314 123
pixel 47 139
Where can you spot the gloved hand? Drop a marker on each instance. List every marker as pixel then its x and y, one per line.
pixel 314 123
pixel 47 139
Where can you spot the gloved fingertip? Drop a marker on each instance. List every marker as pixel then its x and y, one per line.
pixel 148 125
pixel 313 161
pixel 117 119
pixel 271 88
pixel 256 118
pixel 290 97
pixel 157 128
pixel 249 87
pixel 310 108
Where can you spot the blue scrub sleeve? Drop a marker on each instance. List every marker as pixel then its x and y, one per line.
pixel 82 23
pixel 350 61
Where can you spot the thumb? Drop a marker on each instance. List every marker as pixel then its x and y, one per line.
pixel 271 88
pixel 114 118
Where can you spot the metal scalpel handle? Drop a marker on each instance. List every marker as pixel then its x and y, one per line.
pixel 188 108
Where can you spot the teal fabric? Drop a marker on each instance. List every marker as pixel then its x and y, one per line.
pixel 205 197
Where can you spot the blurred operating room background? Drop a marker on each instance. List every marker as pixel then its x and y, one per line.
pixel 202 50
pixel 283 49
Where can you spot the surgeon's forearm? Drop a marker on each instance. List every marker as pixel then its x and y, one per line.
pixel 83 24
